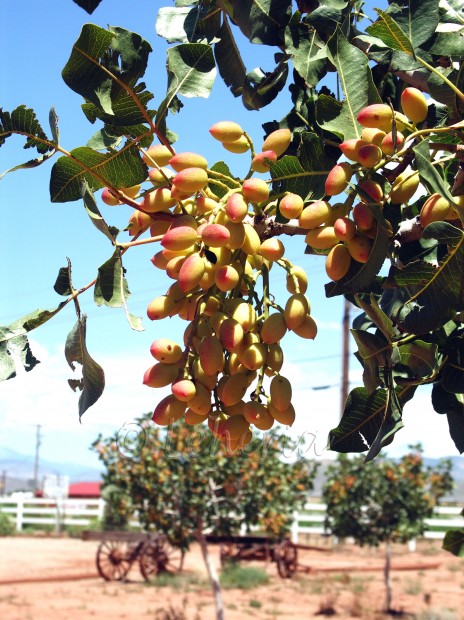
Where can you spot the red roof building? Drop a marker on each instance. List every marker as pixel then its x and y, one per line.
pixel 89 490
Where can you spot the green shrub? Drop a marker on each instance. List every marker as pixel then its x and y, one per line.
pixel 7 526
pixel 242 577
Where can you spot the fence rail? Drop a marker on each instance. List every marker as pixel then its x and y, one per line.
pixel 81 512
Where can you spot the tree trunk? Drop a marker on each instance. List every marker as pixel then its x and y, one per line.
pixel 386 572
pixel 212 574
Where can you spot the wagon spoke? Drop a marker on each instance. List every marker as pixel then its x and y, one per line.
pixel 114 559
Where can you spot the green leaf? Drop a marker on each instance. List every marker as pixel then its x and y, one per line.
pixel 374 352
pixel 420 357
pixel 119 169
pixel 428 173
pixel 330 16
pixel 356 81
pixel 364 416
pixel 261 21
pixel 14 351
pixel 224 170
pixel 184 24
pixel 92 383
pixel 313 156
pixel 417 18
pixel 454 542
pixel 96 217
pixel 229 61
pixel 377 316
pixel 87 5
pixel 35 319
pixel 24 121
pixel 104 68
pixel 437 300
pixel 453 406
pixel 288 174
pixel 452 374
pixel 308 52
pixel 441 92
pixel 391 34
pixel 448 44
pixel 191 73
pixel 260 88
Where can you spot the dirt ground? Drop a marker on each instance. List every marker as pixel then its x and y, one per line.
pixel 338 585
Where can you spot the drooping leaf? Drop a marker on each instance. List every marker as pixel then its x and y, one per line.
pixel 24 121
pixel 62 284
pixel 356 81
pixel 374 352
pixel 364 416
pixel 260 21
pixel 119 169
pixel 308 52
pixel 260 88
pixel 53 122
pixel 438 299
pixel 104 68
pixel 88 5
pixel 191 73
pixel 111 288
pixel 229 61
pixel 452 405
pixel 386 29
pixel 92 382
pixel 96 217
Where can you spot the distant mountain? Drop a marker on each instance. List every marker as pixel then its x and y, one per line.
pixel 21 466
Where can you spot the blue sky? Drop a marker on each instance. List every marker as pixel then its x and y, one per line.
pixel 37 236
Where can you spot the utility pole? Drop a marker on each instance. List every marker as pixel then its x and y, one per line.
pixel 345 384
pixel 36 460
pixel 3 483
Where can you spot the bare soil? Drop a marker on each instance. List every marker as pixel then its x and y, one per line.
pixel 55 578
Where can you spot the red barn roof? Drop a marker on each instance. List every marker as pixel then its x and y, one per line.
pixel 85 489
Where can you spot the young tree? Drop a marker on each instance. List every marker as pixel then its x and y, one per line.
pixel 372 179
pixel 383 502
pixel 182 481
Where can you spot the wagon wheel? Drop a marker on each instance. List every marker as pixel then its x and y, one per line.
pixel 287 559
pixel 227 552
pixel 114 559
pixel 159 556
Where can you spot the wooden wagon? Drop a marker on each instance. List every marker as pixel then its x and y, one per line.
pixel 261 548
pixel 118 551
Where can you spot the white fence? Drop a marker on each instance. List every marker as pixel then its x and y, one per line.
pixel 81 512
pixel 55 512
